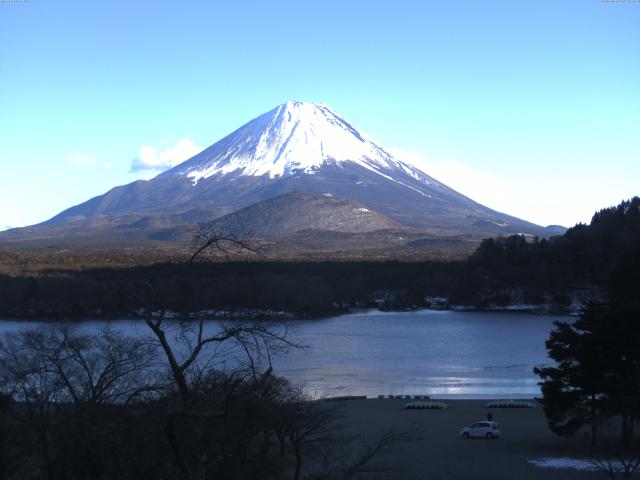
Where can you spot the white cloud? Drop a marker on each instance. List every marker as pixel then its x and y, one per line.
pixel 414 158
pixel 82 160
pixel 465 179
pixel 483 187
pixel 108 165
pixel 536 196
pixel 153 158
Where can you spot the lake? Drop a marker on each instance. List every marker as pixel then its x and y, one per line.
pixel 440 353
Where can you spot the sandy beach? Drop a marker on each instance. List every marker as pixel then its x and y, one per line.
pixel 435 449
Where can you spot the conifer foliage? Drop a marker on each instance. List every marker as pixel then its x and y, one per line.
pixel 597 371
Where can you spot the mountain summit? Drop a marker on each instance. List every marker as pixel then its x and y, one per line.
pixel 296 147
pixel 296 137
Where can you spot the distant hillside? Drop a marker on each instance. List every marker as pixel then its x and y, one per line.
pixel 584 256
pixel 299 211
pixel 296 225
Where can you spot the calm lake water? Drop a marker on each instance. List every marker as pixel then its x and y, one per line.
pixel 441 353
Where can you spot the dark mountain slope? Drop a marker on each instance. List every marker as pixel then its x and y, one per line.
pixel 299 211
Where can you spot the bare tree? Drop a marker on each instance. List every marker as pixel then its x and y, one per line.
pixel 346 456
pixel 107 367
pixel 625 465
pixel 212 237
pixel 194 348
pixel 190 349
pixel 27 379
pixel 366 450
pixel 186 342
pixel 11 457
pixel 312 423
pixel 316 429
pixel 63 380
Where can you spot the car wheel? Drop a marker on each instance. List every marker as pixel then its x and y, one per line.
pixel 465 435
pixel 489 435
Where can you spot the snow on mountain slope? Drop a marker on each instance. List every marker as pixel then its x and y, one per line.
pixel 294 137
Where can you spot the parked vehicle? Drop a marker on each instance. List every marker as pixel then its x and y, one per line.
pixel 481 430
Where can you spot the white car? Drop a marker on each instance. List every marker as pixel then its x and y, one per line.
pixel 484 429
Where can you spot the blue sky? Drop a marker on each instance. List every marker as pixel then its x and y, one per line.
pixel 532 108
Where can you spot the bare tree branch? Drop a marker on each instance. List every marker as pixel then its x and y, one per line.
pixel 211 236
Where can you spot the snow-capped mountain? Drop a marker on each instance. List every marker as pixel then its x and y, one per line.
pixel 296 147
pixel 296 137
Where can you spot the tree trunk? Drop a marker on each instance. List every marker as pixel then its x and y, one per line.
pixel 170 432
pixel 296 475
pixel 626 430
pixel 2 464
pixel 176 371
pixel 594 420
pixel 266 444
pixel 46 457
pixel 281 440
pixel 42 436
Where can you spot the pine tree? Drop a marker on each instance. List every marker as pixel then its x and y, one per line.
pixel 573 391
pixel 597 371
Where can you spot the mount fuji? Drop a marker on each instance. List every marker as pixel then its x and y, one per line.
pixel 296 147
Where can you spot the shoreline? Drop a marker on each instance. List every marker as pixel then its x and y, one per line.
pixel 489 397
pixel 284 315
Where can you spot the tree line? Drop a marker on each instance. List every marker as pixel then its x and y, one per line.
pixel 503 270
pixel 303 288
pixel 585 255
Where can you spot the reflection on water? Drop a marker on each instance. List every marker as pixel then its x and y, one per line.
pixel 439 353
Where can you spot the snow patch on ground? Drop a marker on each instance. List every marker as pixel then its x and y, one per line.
pixel 567 462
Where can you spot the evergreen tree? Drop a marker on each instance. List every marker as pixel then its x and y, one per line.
pixel 573 391
pixel 623 311
pixel 597 371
